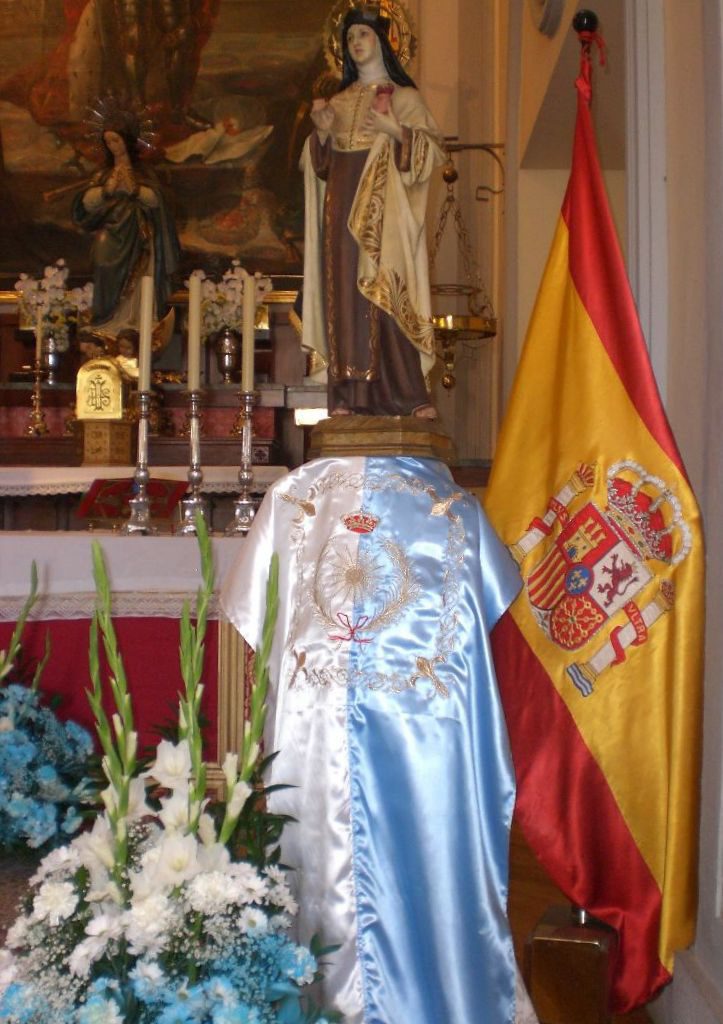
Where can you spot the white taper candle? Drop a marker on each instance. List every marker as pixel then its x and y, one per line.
pixel 247 339
pixel 194 333
pixel 39 338
pixel 144 351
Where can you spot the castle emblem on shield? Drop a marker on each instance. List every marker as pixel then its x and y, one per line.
pixel 605 572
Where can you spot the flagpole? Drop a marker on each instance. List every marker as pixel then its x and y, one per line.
pixel 585 23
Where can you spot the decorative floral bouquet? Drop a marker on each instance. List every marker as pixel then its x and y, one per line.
pixel 222 301
pixel 43 761
pixel 152 917
pixel 49 301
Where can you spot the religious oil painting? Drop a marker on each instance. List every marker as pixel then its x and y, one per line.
pixel 220 90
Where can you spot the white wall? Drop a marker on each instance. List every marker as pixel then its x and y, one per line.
pixel 694 121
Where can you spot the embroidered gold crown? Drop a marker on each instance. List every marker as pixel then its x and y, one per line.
pixel 652 519
pixel 360 521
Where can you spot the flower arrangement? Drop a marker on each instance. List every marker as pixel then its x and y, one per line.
pixel 43 781
pixel 222 301
pixel 153 917
pixel 49 303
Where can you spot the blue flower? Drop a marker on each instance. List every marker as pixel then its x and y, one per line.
pixel 79 740
pixel 42 765
pixel 239 1014
pixel 99 1010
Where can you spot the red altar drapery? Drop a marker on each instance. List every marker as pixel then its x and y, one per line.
pixel 150 652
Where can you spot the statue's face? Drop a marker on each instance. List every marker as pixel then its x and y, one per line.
pixel 363 44
pixel 115 143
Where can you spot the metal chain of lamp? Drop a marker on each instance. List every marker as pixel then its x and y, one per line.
pixel 479 322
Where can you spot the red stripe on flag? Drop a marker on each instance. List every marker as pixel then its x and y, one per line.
pixel 571 820
pixel 598 272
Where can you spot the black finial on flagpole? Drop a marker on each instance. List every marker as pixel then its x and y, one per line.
pixel 585 21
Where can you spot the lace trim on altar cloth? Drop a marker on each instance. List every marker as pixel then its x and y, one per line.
pixel 80 486
pixel 18 482
pixel 81 606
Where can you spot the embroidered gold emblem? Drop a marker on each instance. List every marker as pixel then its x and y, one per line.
pixel 425 668
pixel 345 573
pixel 306 508
pixel 442 506
pixel 350 575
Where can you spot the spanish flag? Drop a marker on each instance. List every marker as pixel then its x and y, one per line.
pixel 600 657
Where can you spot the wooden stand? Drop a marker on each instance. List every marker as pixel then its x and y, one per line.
pixel 568 967
pixel 380 435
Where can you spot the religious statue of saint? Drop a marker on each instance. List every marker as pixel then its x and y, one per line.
pixel 366 304
pixel 134 234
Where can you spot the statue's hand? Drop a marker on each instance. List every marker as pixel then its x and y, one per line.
pixel 376 121
pixel 322 115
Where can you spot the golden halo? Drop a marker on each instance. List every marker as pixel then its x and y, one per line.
pixel 108 112
pixel 401 31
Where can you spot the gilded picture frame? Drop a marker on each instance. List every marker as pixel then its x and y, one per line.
pixel 225 86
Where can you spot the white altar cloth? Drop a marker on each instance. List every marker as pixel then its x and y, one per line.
pixel 148 575
pixel 28 480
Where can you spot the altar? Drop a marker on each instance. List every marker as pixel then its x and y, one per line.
pixel 151 578
pixel 49 497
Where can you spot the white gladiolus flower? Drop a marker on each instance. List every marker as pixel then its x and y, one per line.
pixel 109 796
pixel 137 806
pixel 172 767
pixel 177 861
pixel 99 931
pixel 55 901
pixel 102 890
pixel 241 792
pixel 206 830
pixel 95 847
pixel 175 812
pixel 214 857
pixel 131 745
pixel 230 769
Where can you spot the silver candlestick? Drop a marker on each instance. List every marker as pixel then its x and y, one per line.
pixel 140 518
pixel 244 508
pixel 194 503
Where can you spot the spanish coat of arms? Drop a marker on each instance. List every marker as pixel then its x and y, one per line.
pixel 597 566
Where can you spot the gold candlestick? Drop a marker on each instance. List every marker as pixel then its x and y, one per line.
pixel 37 426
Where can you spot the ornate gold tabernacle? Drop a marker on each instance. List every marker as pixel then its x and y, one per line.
pixel 101 400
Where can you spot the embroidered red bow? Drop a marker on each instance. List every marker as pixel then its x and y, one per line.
pixel 352 629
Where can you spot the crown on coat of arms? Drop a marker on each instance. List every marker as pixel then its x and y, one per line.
pixel 360 521
pixel 650 518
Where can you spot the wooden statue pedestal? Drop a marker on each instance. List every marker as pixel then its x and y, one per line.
pixel 380 435
pixel 568 968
